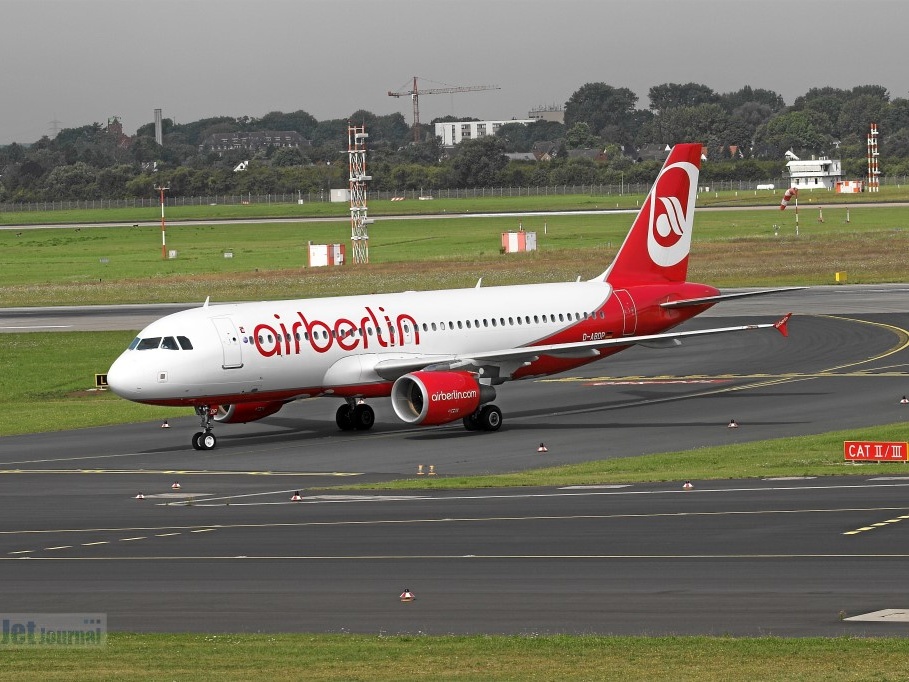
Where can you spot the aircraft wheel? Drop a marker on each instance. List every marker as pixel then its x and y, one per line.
pixel 490 418
pixel 363 417
pixel 344 418
pixel 208 441
pixel 197 441
pixel 471 423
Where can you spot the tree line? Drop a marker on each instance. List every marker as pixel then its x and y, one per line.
pixel 746 133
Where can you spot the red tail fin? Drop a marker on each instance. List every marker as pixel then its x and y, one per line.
pixel 656 248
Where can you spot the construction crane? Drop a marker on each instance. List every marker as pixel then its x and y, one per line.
pixel 415 93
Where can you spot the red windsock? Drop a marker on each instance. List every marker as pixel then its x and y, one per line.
pixel 790 193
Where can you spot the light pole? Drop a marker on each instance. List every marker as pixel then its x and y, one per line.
pixel 162 189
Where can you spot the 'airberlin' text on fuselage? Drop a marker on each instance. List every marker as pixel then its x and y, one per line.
pixel 285 337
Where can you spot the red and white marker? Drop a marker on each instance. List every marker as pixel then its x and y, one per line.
pixel 407 595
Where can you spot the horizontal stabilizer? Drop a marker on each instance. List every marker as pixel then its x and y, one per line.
pixel 689 302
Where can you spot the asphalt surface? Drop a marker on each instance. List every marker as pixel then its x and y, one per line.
pixel 230 551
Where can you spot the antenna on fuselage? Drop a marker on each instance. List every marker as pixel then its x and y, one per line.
pixel 479 282
pixel 205 305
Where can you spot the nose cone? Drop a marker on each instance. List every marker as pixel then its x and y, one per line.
pixel 124 377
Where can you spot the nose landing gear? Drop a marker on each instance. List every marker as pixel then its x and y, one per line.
pixel 205 439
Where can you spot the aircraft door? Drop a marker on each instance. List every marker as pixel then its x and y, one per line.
pixel 230 342
pixel 629 312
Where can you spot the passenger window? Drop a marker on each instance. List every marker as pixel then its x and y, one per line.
pixel 185 343
pixel 149 343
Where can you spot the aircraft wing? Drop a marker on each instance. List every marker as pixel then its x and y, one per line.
pixel 510 359
pixel 725 297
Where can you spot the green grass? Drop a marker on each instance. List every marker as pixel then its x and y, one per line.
pixel 47 383
pixel 399 658
pixel 816 455
pixel 71 266
pixel 490 201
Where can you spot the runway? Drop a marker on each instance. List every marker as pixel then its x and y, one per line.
pixel 728 558
pixel 229 550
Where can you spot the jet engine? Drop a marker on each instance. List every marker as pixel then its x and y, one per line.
pixel 431 398
pixel 246 412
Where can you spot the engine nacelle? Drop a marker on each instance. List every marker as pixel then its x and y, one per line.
pixel 431 398
pixel 246 412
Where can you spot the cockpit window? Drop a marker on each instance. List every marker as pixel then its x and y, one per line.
pixel 149 343
pixel 165 343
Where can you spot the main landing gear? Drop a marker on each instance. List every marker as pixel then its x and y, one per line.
pixel 353 415
pixel 487 418
pixel 205 439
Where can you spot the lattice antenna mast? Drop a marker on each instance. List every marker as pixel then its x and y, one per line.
pixel 874 173
pixel 414 94
pixel 356 154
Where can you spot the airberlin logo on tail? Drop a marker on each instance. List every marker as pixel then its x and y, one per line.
pixel 672 214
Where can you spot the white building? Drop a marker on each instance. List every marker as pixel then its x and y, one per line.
pixel 454 132
pixel 822 173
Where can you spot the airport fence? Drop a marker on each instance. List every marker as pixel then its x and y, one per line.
pixel 598 190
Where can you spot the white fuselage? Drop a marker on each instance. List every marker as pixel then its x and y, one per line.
pixel 280 350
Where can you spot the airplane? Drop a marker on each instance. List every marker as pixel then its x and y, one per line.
pixel 439 355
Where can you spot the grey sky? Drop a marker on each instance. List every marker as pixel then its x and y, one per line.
pixel 81 61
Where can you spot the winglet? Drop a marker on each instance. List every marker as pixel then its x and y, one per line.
pixel 781 325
